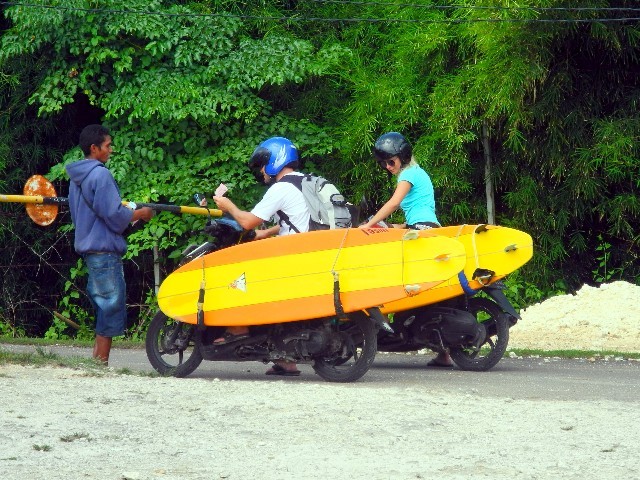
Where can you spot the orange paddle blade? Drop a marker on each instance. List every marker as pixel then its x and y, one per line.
pixel 38 186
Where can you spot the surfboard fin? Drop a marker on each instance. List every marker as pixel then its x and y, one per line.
pixel 412 289
pixel 411 235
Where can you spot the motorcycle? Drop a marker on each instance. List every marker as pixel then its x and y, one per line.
pixel 474 329
pixel 339 349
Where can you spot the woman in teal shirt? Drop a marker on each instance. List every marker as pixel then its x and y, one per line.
pixel 414 190
pixel 414 194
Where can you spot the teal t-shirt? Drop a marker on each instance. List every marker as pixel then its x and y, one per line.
pixel 420 203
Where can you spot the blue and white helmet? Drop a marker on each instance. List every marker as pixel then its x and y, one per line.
pixel 274 154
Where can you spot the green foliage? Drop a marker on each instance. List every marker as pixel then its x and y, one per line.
pixel 604 272
pixel 182 94
pixel 71 306
pixel 26 147
pixel 138 331
pixel 563 134
pixel 57 330
pixel 523 293
pixel 188 97
pixel 9 329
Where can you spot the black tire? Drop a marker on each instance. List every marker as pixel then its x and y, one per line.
pixel 171 348
pixel 361 340
pixel 495 344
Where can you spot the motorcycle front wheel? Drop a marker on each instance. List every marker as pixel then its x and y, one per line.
pixel 359 345
pixel 491 351
pixel 171 347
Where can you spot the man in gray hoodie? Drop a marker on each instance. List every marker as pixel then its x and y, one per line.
pixel 100 218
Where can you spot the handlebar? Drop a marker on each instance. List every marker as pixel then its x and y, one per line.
pixel 228 231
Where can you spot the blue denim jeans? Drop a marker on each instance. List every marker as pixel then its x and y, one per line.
pixel 107 290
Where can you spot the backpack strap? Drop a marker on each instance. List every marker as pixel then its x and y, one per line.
pixel 285 218
pixel 295 180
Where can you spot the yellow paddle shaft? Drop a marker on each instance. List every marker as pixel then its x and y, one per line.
pixel 154 206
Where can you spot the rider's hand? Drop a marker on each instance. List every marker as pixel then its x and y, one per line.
pixel 223 203
pixel 260 234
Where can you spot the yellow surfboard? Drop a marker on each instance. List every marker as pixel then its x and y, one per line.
pixel 492 250
pixel 294 277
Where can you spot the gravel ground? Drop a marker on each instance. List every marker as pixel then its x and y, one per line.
pixel 58 423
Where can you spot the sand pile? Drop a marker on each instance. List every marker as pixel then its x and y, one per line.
pixel 596 318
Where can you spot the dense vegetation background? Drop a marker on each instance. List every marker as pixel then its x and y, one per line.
pixel 524 114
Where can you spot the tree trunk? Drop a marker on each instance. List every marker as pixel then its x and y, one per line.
pixel 488 180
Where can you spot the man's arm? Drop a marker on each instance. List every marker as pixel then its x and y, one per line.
pixel 247 220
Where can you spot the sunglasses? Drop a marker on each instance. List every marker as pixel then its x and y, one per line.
pixel 390 162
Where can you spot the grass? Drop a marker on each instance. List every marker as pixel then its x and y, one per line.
pixel 43 358
pixel 573 353
pixel 45 342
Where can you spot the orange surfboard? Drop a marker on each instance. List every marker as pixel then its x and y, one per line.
pixel 309 275
pixel 490 249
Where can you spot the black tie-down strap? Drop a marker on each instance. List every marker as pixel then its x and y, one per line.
pixel 337 303
pixel 200 314
pixel 374 313
pixel 380 320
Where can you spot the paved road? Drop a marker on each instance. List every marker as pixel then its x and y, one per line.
pixel 518 378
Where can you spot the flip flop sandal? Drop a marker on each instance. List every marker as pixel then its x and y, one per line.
pixel 230 338
pixel 281 371
pixel 434 363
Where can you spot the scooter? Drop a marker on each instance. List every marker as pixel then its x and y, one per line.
pixel 339 349
pixel 474 329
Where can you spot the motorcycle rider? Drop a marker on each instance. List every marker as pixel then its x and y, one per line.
pixel 414 194
pixel 274 158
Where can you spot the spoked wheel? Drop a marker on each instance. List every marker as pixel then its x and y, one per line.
pixel 359 338
pixel 171 348
pixel 495 344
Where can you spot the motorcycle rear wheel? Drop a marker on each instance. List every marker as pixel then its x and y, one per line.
pixel 494 346
pixel 361 341
pixel 171 348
